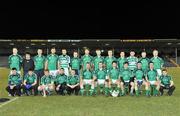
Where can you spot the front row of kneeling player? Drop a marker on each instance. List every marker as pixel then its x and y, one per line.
pixel 113 82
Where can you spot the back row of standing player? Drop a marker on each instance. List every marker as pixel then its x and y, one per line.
pixel 53 62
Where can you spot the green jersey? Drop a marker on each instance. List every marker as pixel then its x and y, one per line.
pixel 85 59
pixel 73 80
pixel 152 75
pixel 158 62
pixel 87 74
pixel 15 61
pixel 61 78
pixel 114 73
pixel 14 79
pixel 108 62
pixel 132 61
pixel 165 80
pixel 30 79
pixel 75 63
pixel 145 63
pixel 121 62
pixel 52 60
pixel 100 74
pixel 39 62
pixel 139 74
pixel 45 80
pixel 96 61
pixel 126 74
pixel 64 61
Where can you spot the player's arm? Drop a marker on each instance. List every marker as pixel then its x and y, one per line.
pixel 9 60
pixel 94 76
pixel 162 63
pixel 59 64
pixel 25 80
pixel 35 82
pixel 77 83
pixel 171 82
pixel 46 64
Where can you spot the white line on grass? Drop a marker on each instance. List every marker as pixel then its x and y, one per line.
pixel 9 101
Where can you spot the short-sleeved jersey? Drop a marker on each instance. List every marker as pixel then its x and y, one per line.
pixel 14 79
pixel 85 59
pixel 165 80
pixel 15 61
pixel 87 74
pixel 100 74
pixel 75 63
pixel 73 80
pixel 114 73
pixel 132 62
pixel 39 62
pixel 152 75
pixel 108 62
pixel 145 63
pixel 139 74
pixel 121 62
pixel 30 79
pixel 64 61
pixel 61 78
pixel 45 80
pixel 52 60
pixel 96 61
pixel 126 74
pixel 158 62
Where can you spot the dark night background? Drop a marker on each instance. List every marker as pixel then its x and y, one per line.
pixel 50 19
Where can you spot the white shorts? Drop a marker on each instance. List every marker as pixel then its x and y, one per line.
pixel 159 72
pixel 101 81
pixel 114 81
pixel 53 72
pixel 87 81
pixel 152 82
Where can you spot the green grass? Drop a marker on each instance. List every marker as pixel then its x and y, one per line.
pixel 92 106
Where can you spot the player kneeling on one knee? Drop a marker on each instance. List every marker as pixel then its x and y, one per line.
pixel 139 79
pixel 47 84
pixel 166 83
pixel 14 83
pixel 100 80
pixel 114 81
pixel 60 82
pixel 152 80
pixel 126 80
pixel 30 82
pixel 86 81
pixel 73 83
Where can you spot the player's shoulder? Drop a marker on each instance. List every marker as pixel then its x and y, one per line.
pixel 11 55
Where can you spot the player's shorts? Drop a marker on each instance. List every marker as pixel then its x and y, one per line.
pixel 152 82
pixel 113 81
pixel 87 81
pixel 126 83
pixel 139 82
pixel 159 72
pixel 132 79
pixel 53 72
pixel 101 81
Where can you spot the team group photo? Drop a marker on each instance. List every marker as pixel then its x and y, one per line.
pixel 85 77
pixel 88 75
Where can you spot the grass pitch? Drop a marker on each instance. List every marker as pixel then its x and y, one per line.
pixel 91 106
